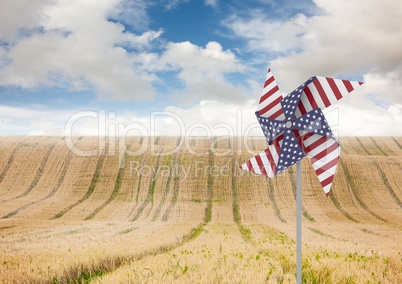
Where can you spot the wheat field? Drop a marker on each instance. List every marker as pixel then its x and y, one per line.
pixel 180 210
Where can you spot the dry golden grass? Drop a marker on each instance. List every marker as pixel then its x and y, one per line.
pixel 192 216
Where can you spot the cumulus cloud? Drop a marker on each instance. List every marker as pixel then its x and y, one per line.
pixel 272 36
pixel 27 12
pixel 203 71
pixel 346 39
pixel 79 48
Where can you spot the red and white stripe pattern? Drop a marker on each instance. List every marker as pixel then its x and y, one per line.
pixel 265 163
pixel 270 101
pixel 322 92
pixel 324 155
pixel 318 92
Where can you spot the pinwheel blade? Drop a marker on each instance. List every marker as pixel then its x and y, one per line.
pixel 270 101
pixel 324 155
pixel 266 162
pixel 321 92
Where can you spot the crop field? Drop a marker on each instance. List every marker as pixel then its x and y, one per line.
pixel 180 210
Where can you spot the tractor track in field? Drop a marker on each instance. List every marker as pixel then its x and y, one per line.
pixel 388 185
pixel 51 193
pixel 167 189
pixel 138 190
pixel 175 196
pixel 38 175
pixel 112 196
pixel 151 190
pixel 273 202
pixel 357 194
pixel 79 273
pixel 397 143
pixel 377 146
pixel 10 162
pixel 244 231
pixel 334 199
pixel 91 187
pixel 362 146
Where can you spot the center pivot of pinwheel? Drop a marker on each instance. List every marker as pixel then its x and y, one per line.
pixel 288 124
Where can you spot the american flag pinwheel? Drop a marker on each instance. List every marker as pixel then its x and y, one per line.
pixel 295 127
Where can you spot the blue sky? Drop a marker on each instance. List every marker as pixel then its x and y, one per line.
pixel 198 64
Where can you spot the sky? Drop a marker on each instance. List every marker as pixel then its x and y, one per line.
pixel 192 67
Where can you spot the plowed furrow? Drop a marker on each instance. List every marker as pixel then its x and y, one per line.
pixel 357 193
pixel 273 202
pixel 167 188
pixel 51 193
pixel 38 175
pixel 91 188
pixel 151 190
pixel 111 197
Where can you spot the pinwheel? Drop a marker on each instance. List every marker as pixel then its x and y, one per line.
pixel 295 127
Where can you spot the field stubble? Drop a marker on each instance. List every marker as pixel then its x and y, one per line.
pixel 192 216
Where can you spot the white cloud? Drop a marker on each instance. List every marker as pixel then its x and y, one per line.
pixel 272 36
pixel 79 45
pixel 32 120
pixel 132 13
pixel 203 71
pixel 212 3
pixel 207 118
pixel 22 14
pixel 347 39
